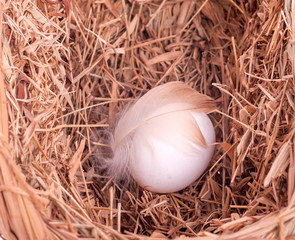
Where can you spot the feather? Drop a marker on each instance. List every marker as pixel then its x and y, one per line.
pixel 165 113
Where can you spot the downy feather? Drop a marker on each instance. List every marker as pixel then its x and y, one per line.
pixel 165 113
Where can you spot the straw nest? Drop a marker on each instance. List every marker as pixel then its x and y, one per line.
pixel 69 66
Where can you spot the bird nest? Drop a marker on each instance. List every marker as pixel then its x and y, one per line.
pixel 68 67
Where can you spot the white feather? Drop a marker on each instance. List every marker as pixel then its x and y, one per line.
pixel 163 114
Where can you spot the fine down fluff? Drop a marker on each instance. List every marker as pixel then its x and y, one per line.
pixel 153 116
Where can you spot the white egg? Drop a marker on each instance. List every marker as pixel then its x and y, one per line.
pixel 169 166
pixel 164 140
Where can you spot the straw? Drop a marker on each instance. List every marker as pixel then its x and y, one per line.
pixel 69 67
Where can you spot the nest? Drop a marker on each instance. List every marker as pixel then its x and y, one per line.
pixel 69 66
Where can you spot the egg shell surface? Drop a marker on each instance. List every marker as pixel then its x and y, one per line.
pixel 168 166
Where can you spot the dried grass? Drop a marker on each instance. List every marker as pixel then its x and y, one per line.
pixel 69 66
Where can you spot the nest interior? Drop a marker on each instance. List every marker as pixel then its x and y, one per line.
pixel 68 67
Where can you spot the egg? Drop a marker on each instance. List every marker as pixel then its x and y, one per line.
pixel 163 167
pixel 164 140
